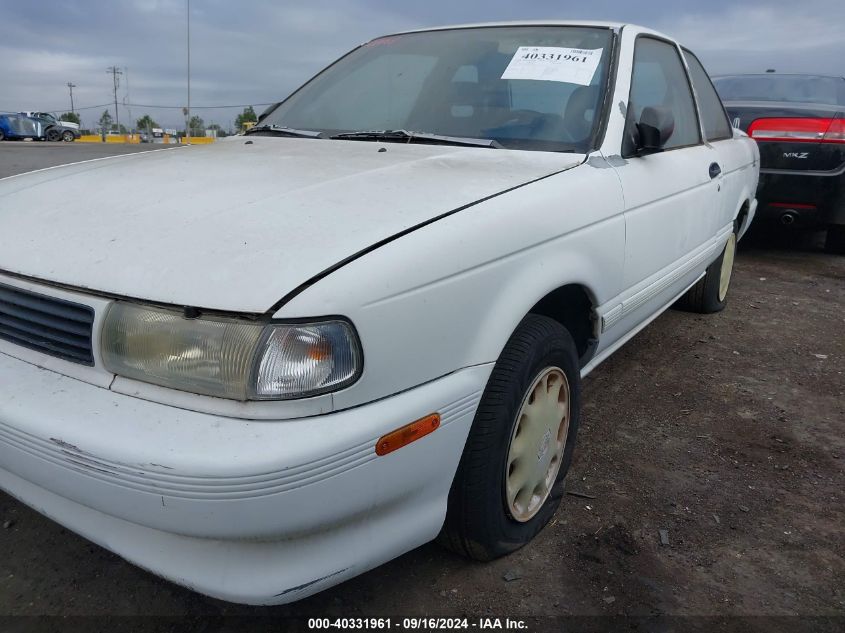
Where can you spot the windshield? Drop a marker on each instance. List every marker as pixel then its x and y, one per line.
pixel 535 88
pixel 791 88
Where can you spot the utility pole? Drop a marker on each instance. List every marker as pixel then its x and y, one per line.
pixel 115 71
pixel 129 99
pixel 188 109
pixel 71 86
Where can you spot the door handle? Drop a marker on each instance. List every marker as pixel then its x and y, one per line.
pixel 715 170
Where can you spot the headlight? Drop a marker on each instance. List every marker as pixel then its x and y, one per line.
pixel 229 358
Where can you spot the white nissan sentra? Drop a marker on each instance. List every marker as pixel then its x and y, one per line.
pixel 302 352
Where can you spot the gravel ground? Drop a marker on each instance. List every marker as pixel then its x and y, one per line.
pixel 724 431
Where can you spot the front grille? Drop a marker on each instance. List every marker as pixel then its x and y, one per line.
pixel 52 326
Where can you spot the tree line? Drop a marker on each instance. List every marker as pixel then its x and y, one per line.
pixel 146 123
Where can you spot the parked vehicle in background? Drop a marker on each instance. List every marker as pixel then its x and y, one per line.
pixel 799 123
pixel 54 128
pixel 14 127
pixel 366 324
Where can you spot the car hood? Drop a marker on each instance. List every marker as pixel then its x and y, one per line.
pixel 237 225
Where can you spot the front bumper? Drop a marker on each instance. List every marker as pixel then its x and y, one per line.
pixel 254 512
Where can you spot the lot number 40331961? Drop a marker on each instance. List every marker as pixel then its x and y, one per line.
pixel 556 57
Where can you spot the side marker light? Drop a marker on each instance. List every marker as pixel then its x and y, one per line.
pixel 407 434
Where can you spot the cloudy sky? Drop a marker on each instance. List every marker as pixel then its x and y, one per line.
pixel 257 51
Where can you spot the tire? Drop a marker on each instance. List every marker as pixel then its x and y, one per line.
pixel 835 240
pixel 481 522
pixel 53 135
pixel 2 135
pixel 710 293
pixel 68 137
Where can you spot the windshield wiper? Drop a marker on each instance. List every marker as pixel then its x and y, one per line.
pixel 404 136
pixel 283 131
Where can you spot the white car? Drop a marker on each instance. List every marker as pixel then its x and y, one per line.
pixel 366 323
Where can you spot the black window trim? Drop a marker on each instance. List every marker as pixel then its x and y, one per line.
pixel 683 62
pixel 599 133
pixel 687 51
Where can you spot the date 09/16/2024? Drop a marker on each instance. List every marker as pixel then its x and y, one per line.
pixel 416 624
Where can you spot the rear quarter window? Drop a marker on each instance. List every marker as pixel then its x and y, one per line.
pixel 713 116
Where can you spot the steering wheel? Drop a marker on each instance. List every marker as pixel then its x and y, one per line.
pixel 518 118
pixel 535 125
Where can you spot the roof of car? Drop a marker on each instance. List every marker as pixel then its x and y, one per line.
pixel 588 23
pixel 728 76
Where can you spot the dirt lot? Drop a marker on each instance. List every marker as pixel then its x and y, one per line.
pixel 727 431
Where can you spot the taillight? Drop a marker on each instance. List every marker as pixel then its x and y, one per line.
pixel 795 130
pixel 836 132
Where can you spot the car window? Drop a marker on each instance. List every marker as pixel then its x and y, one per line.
pixel 533 88
pixel 714 120
pixel 789 88
pixel 659 80
pixel 348 102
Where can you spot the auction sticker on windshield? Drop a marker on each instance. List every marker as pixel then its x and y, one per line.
pixel 553 63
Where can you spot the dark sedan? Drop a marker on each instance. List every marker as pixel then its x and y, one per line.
pixel 799 123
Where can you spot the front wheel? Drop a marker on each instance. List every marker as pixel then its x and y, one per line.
pixel 510 478
pixel 67 136
pixel 710 293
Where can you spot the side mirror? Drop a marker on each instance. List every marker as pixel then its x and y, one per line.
pixel 654 129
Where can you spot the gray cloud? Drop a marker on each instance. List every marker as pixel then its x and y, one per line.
pixel 257 51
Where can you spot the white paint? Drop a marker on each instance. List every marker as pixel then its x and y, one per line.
pixel 233 226
pixel 207 501
pixel 200 490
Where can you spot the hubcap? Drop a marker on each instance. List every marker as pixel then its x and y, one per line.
pixel 727 267
pixel 537 442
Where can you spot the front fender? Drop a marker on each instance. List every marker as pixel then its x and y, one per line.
pixel 450 294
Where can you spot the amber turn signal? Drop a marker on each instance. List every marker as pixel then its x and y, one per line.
pixel 407 434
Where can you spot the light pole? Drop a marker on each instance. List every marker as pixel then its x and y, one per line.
pixel 188 109
pixel 71 86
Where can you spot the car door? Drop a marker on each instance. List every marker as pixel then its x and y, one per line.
pixel 670 196
pixel 732 156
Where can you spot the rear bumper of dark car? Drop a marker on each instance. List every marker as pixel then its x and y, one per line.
pixel 805 199
pixel 802 178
